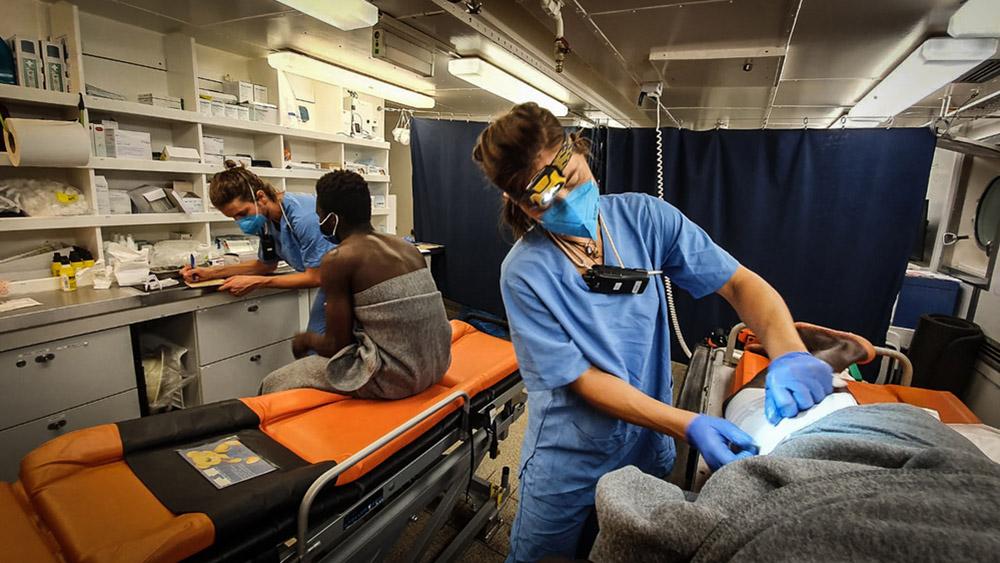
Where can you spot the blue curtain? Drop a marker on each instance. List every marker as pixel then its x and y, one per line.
pixel 826 216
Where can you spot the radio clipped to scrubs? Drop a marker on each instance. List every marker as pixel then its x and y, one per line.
pixel 614 280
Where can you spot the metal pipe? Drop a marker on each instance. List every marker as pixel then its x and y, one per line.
pixel 906 378
pixel 335 471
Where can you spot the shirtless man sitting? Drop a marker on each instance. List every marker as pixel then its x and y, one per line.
pixel 387 336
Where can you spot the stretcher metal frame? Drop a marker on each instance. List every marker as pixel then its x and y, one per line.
pixel 370 527
pixel 705 390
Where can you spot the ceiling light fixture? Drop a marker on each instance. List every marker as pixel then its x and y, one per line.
pixel 342 14
pixel 315 69
pixel 930 67
pixel 976 18
pixel 482 74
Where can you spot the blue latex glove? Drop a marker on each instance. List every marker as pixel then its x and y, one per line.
pixel 715 438
pixel 795 382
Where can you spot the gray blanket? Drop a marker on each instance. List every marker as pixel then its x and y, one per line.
pixel 870 483
pixel 403 345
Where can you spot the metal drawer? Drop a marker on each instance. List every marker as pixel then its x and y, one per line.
pixel 241 375
pixel 232 329
pixel 40 380
pixel 17 441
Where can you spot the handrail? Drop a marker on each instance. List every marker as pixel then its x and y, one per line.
pixel 731 343
pixel 906 378
pixel 335 471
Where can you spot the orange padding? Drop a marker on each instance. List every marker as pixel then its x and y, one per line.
pixel 749 366
pixel 78 501
pixel 948 406
pixel 321 426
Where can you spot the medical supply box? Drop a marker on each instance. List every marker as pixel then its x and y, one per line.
pixel 128 144
pixel 169 102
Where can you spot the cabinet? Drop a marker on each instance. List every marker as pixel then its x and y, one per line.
pixel 235 328
pixel 61 386
pixel 240 376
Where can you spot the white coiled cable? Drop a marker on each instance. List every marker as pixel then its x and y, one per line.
pixel 667 286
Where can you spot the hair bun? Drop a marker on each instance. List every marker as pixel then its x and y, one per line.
pixel 230 164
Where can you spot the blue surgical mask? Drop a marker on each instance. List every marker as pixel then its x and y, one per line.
pixel 252 224
pixel 576 214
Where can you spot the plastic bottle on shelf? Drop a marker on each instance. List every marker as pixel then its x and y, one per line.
pixel 88 258
pixel 56 265
pixel 76 261
pixel 67 276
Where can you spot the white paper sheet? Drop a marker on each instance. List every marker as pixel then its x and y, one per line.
pixel 746 410
pixel 15 304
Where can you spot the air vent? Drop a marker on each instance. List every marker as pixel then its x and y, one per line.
pixel 986 71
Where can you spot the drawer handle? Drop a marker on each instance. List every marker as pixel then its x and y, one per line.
pixel 255 358
pixel 21 363
pixel 253 308
pixel 42 358
pixel 56 425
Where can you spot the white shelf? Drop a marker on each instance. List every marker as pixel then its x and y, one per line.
pixel 258 127
pixel 5 161
pixel 37 96
pixel 124 220
pixel 100 163
pixel 140 110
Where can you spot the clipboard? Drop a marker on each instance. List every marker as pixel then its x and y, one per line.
pixel 205 283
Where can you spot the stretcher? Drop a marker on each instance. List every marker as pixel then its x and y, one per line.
pixel 715 374
pixel 349 474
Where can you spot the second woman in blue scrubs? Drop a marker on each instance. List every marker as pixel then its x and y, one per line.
pixel 597 365
pixel 290 218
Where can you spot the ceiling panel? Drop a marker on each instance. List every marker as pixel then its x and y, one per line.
pixel 716 97
pixel 821 92
pixel 404 9
pixel 861 38
pixel 706 118
pixel 720 72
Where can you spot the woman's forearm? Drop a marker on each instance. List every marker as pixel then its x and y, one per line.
pixel 761 307
pixel 298 280
pixel 255 267
pixel 615 397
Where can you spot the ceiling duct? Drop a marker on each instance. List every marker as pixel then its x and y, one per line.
pixel 401 51
pixel 986 71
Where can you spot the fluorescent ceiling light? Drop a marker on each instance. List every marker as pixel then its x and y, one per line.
pixel 976 18
pixel 601 118
pixel 480 73
pixel 324 72
pixel 931 66
pixel 342 14
pixel 477 45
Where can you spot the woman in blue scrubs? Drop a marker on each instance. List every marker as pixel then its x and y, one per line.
pixel 597 365
pixel 289 218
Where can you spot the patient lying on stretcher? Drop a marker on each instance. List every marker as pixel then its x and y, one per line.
pixel 387 335
pixel 845 482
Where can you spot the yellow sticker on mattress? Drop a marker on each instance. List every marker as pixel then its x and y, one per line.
pixel 226 461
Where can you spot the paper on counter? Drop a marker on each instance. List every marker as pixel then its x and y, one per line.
pixel 46 142
pixel 15 304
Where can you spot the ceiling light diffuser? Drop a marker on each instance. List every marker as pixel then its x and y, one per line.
pixel 482 74
pixel 315 69
pixel 342 14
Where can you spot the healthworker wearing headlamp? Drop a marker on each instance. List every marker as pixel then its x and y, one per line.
pixel 288 229
pixel 595 358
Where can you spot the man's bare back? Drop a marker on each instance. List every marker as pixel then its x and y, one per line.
pixel 374 258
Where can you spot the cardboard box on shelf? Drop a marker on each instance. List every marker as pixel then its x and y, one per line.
pixel 180 154
pixel 260 94
pixel 213 145
pixel 232 112
pixel 242 90
pixel 128 144
pixel 183 195
pixel 246 161
pixel 121 203
pixel 99 142
pixel 243 113
pixel 214 159
pixel 264 113
pixel 218 109
pixel 205 107
pixel 54 65
pixel 103 203
pixel 27 62
pixel 162 101
pixel 378 202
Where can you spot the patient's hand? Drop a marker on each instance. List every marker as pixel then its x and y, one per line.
pixel 795 382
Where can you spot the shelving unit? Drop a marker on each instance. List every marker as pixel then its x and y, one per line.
pixel 130 60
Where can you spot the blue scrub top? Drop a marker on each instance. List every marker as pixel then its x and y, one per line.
pixel 559 328
pixel 303 246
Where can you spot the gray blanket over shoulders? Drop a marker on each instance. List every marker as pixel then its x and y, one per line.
pixel 403 345
pixel 869 483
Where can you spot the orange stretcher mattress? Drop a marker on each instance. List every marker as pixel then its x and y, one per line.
pixel 79 500
pixel 948 406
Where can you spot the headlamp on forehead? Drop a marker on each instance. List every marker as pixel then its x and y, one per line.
pixel 542 189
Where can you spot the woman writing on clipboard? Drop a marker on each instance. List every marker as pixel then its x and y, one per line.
pixel 288 229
